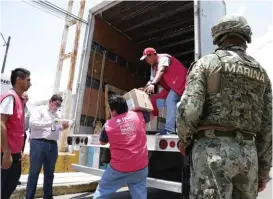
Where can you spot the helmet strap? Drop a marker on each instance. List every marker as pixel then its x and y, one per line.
pixel 232 39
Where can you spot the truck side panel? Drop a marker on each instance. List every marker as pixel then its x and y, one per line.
pixel 5 83
pixel 85 57
pixel 208 17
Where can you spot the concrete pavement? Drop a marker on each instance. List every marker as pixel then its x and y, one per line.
pixel 153 194
pixel 64 183
pixel 123 193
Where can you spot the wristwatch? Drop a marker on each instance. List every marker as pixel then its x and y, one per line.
pixel 151 82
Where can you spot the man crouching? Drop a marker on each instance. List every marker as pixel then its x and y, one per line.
pixel 126 134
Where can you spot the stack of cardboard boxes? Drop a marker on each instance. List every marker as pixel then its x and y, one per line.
pixel 158 123
pixel 140 101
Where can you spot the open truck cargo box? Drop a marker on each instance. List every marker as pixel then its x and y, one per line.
pixel 120 30
pixel 166 26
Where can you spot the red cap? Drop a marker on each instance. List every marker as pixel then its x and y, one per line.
pixel 147 51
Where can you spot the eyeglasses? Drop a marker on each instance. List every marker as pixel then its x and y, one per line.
pixel 58 104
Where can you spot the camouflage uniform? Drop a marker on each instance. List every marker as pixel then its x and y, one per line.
pixel 227 92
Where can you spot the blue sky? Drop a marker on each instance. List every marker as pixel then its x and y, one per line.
pixel 36 37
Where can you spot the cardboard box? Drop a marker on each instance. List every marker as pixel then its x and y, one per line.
pixel 156 124
pixel 138 100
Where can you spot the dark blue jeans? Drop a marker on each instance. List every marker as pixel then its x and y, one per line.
pixel 171 102
pixel 44 154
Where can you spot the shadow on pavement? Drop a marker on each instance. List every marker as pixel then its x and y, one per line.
pixel 152 193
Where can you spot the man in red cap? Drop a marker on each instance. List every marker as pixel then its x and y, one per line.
pixel 171 75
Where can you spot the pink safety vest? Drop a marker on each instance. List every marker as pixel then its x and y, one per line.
pixel 16 123
pixel 175 76
pixel 128 142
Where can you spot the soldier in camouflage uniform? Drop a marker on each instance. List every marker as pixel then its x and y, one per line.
pixel 227 109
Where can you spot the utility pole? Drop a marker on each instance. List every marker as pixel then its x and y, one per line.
pixel 6 53
pixel 73 57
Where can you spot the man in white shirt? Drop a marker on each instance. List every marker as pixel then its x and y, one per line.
pixel 45 126
pixel 27 117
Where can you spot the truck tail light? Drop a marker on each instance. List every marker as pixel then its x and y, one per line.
pixel 163 144
pixel 172 144
pixel 86 141
pixel 69 140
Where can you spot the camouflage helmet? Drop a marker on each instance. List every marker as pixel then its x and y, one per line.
pixel 231 25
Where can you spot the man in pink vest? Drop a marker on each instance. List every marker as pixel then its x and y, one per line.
pixel 126 134
pixel 12 131
pixel 171 75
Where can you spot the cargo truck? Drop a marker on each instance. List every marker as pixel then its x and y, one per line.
pixel 116 34
pixel 5 83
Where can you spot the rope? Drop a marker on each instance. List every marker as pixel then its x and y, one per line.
pixel 100 88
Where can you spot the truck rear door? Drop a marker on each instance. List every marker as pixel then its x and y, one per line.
pixel 207 14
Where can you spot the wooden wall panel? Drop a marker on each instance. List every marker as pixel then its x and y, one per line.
pixel 110 38
pixel 114 74
pixel 89 107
